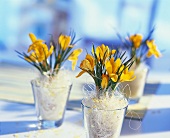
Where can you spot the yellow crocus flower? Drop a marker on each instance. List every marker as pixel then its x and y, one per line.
pixel 87 65
pixel 91 60
pixel 112 68
pixel 127 75
pixel 152 49
pixel 136 40
pixel 105 80
pixel 64 41
pixel 74 57
pixel 102 52
pixel 40 50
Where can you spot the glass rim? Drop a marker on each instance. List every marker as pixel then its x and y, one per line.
pixel 60 87
pixel 124 107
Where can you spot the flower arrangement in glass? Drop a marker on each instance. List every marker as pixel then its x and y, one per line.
pixel 140 49
pixel 108 68
pixel 51 90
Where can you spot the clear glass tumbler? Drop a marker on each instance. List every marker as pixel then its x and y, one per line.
pixel 50 103
pixel 102 123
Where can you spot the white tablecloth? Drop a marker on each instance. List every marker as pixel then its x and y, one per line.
pixel 13 117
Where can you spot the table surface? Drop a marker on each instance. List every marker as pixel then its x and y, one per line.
pixel 19 121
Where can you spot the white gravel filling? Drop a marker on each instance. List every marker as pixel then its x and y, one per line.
pixel 104 117
pixel 52 96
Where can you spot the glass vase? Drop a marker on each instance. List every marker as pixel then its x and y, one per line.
pixel 103 123
pixel 50 103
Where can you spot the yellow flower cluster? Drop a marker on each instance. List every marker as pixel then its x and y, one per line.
pixel 142 48
pixel 40 50
pixel 137 42
pixel 105 69
pixel 62 51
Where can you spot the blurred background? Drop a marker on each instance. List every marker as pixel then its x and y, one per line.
pixel 95 21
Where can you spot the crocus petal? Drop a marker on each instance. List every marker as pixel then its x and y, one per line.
pixel 104 82
pixel 44 49
pixel 108 66
pixel 112 61
pixel 50 51
pixel 121 68
pixel 102 52
pixel 157 54
pixel 74 62
pixel 150 43
pixel 74 57
pixel 67 42
pixel 80 73
pixel 32 37
pixel 91 60
pixel 113 77
pixel 116 65
pixel 98 52
pixel 60 38
pixel 85 64
pixel 152 49
pixel 113 51
pixel 64 41
pixel 127 76
pixel 149 53
pixel 75 54
pixel 102 47
pixel 31 47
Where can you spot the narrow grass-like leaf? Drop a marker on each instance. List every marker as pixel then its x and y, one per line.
pixel 122 55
